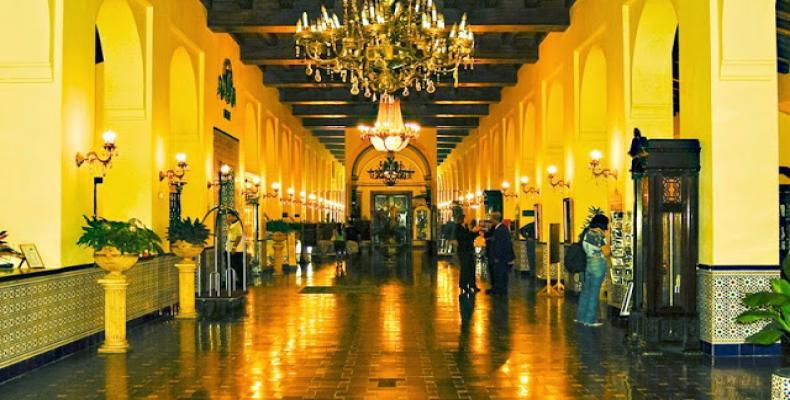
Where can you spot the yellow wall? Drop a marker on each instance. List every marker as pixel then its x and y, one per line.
pixel 610 72
pixel 156 89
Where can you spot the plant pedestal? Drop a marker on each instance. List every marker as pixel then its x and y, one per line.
pixel 186 277
pixel 279 239
pixel 114 285
pixel 186 290
pixel 780 384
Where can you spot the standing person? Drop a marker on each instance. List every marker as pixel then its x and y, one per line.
pixel 595 247
pixel 234 247
pixel 500 254
pixel 466 253
pixel 352 239
pixel 339 239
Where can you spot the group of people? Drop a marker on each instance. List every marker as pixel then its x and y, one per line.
pixel 498 251
pixel 500 255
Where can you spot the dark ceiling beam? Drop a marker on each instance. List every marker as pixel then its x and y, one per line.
pixel 331 133
pixel 279 50
pixel 480 76
pixel 409 110
pixel 332 140
pixel 452 132
pixel 266 16
pixel 320 123
pixel 318 96
pixel 446 139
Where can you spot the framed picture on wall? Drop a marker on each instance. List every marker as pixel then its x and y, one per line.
pixel 567 220
pixel 538 222
pixel 32 257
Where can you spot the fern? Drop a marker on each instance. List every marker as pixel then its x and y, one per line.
pixel 191 231
pixel 129 237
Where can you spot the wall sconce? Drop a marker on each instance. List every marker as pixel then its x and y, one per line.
pixel 104 156
pixel 528 190
pixel 595 166
pixel 505 190
pixel 251 190
pixel 275 191
pixel 289 199
pixel 225 175
pixel 554 181
pixel 302 199
pixel 176 182
pixel 175 177
pixel 312 200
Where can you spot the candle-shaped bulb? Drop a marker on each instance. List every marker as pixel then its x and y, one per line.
pixel 596 155
pixel 109 137
pixel 224 169
pixel 181 158
pixel 552 169
pixel 524 180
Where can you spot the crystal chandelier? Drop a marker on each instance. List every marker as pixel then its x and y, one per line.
pixel 384 46
pixel 389 133
pixel 390 171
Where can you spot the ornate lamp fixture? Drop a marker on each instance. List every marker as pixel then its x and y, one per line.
pixel 175 177
pixel 391 171
pixel 595 166
pixel 384 46
pixel 528 190
pixel 554 181
pixel 103 157
pixel 275 191
pixel 505 190
pixel 389 133
pixel 251 191
pixel 312 201
pixel 289 196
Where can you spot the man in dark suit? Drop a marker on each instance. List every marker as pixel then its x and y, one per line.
pixel 500 254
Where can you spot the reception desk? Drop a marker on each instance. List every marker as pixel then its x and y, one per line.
pixel 45 314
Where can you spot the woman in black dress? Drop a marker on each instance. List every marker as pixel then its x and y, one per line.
pixel 466 255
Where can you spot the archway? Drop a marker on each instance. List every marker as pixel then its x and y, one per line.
pixel 652 67
pixel 593 135
pixel 120 106
pixel 184 134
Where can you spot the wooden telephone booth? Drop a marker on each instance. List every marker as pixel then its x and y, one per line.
pixel 666 179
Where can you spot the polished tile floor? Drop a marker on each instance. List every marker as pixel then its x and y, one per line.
pixel 388 332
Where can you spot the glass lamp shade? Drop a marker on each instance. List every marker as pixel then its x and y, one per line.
pixel 389 133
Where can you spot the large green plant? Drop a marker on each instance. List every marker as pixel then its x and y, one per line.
pixel 191 231
pixel 278 225
pixel 129 237
pixel 769 306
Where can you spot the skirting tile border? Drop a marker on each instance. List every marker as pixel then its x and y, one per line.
pixel 720 289
pixel 40 360
pixel 740 350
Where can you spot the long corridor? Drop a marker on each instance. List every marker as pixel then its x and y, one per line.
pixel 388 332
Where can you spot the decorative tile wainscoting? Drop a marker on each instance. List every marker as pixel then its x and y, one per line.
pixel 720 290
pixel 42 313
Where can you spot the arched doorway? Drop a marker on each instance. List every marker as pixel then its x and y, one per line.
pixel 120 106
pixel 370 191
pixel 652 70
pixel 184 132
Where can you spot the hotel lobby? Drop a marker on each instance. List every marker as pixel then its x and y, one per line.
pixel 387 199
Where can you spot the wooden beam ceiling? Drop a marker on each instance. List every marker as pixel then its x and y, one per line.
pixel 508 34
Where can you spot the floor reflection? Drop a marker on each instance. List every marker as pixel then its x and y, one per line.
pixel 380 331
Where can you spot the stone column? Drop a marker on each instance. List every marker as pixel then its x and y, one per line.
pixel 114 314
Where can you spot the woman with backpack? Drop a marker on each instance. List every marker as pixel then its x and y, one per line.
pixel 596 249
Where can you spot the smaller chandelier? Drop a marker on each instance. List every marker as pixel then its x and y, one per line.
pixel 389 133
pixel 391 171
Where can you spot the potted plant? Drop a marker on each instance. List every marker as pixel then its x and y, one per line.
pixel 279 230
pixel 187 237
pixel 117 245
pixel 773 308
